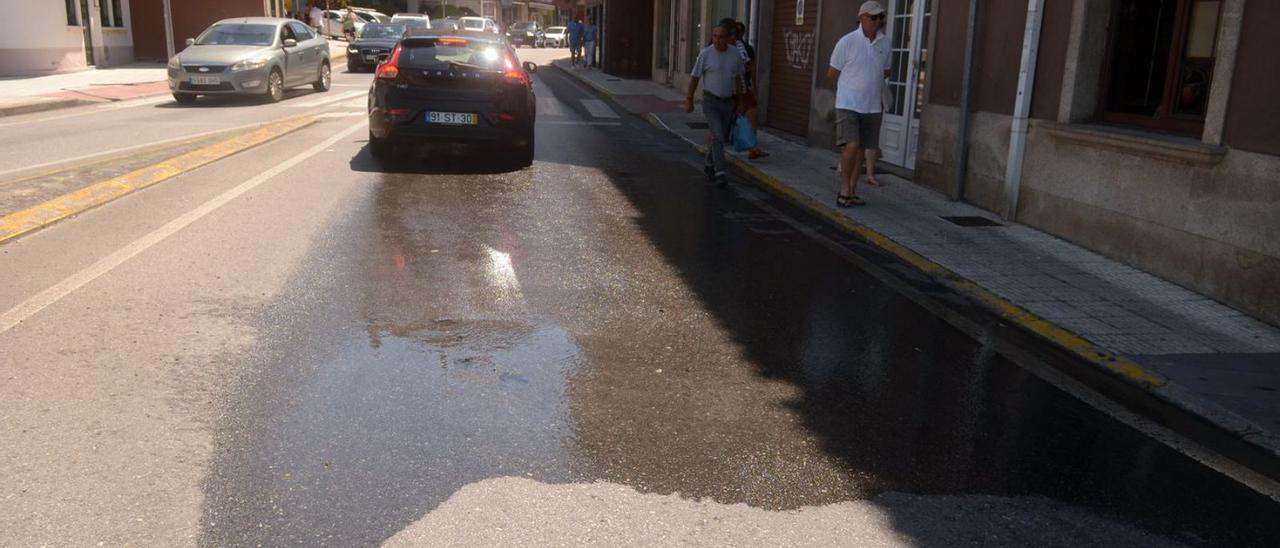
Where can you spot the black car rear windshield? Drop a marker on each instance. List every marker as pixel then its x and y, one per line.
pixel 238 34
pixel 380 31
pixel 441 52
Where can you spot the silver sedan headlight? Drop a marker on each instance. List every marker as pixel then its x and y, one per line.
pixel 174 64
pixel 249 64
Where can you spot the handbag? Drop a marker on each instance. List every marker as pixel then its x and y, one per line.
pixel 744 138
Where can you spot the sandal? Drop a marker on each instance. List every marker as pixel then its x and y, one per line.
pixel 849 201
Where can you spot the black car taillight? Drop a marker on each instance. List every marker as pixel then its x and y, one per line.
pixel 390 69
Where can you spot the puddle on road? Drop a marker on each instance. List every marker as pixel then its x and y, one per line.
pixel 552 325
pixel 348 443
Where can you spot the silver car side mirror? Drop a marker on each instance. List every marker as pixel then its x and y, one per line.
pixel 191 41
pixel 290 42
pixel 530 67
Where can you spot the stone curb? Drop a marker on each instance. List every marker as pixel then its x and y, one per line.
pixel 1115 367
pixel 40 106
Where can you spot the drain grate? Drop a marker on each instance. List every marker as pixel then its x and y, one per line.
pixel 969 220
pixel 697 125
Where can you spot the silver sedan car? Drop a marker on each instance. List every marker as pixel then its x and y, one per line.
pixel 250 56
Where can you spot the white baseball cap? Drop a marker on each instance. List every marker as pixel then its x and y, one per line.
pixel 870 7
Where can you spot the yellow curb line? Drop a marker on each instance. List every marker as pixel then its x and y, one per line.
pixel 79 201
pixel 1043 328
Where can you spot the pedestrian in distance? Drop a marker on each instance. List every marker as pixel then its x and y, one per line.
pixel 589 43
pixel 719 69
pixel 575 41
pixel 317 19
pixel 859 65
pixel 349 26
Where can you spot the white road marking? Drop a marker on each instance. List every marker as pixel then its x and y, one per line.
pixel 577 123
pixel 325 99
pixel 598 109
pixel 129 148
pixel 549 106
pixel 340 114
pixel 42 300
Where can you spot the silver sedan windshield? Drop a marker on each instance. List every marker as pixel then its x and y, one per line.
pixel 238 35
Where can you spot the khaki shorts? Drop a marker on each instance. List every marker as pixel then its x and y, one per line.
pixel 857 128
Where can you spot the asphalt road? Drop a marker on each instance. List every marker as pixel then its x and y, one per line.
pixel 300 345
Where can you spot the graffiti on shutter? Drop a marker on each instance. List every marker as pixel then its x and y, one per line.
pixel 799 47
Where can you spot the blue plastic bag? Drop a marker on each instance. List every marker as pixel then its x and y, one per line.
pixel 744 138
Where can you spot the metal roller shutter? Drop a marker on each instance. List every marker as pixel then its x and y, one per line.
pixel 792 65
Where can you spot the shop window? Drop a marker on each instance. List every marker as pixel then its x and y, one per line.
pixel 72 20
pixel 117 14
pixel 1159 64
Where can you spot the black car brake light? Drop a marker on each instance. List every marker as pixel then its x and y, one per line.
pixel 390 69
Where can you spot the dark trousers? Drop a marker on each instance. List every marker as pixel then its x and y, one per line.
pixel 720 113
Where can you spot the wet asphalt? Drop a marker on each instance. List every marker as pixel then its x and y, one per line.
pixel 608 315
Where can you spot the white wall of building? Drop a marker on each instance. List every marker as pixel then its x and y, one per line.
pixel 37 38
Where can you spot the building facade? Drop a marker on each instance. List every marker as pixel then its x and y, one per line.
pixel 60 36
pixel 190 18
pixel 1150 131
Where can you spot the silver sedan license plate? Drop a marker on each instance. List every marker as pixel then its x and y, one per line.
pixel 206 80
pixel 452 118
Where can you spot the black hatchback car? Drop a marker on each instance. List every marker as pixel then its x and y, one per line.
pixel 442 86
pixel 372 45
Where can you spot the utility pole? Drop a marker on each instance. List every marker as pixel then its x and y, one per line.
pixel 168 30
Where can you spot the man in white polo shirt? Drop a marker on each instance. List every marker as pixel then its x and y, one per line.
pixel 859 65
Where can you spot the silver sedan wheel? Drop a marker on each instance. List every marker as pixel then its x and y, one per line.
pixel 275 87
pixel 322 84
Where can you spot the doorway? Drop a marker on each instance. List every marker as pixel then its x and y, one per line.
pixel 909 31
pixel 85 23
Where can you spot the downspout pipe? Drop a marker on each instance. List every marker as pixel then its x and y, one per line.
pixel 966 89
pixel 1022 108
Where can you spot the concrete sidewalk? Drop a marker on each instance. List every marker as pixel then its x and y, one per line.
pixel 22 95
pixel 1203 357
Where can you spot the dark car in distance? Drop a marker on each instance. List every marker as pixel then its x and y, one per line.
pixel 372 45
pixel 525 33
pixel 441 86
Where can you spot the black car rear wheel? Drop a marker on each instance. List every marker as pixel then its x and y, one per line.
pixel 381 149
pixel 524 155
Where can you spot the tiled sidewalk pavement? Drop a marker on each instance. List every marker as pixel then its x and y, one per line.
pixel 1206 348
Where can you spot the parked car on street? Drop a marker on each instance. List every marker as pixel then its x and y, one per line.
pixel 445 24
pixel 555 37
pixel 371 16
pixel 453 87
pixel 525 33
pixel 479 24
pixel 250 56
pixel 332 26
pixel 372 45
pixel 412 20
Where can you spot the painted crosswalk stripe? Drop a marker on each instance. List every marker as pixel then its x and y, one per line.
pixel 598 109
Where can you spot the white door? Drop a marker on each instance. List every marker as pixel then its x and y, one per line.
pixel 908 32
